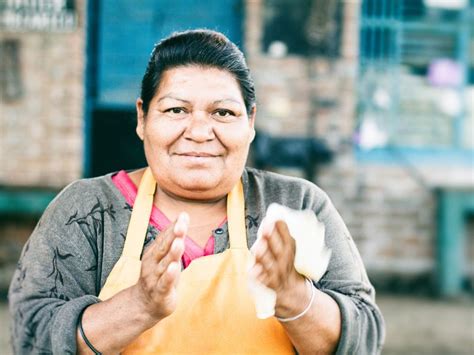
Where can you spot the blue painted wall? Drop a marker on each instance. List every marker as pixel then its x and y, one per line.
pixel 128 29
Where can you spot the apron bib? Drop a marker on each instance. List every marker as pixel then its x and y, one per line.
pixel 215 312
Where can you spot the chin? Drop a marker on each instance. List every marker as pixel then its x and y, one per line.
pixel 198 181
pixel 204 185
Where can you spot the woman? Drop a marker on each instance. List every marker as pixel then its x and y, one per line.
pixel 109 269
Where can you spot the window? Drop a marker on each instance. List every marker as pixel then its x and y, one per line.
pixel 413 75
pixel 10 77
pixel 38 15
pixel 312 27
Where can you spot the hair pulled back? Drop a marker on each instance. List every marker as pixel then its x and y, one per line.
pixel 201 47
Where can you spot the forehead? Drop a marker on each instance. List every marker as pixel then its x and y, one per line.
pixel 199 82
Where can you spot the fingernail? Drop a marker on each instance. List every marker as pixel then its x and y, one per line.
pixel 182 223
pixel 183 218
pixel 177 244
pixel 172 267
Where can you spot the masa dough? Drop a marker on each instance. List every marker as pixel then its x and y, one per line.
pixel 311 257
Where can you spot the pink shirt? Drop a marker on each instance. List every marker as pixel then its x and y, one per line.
pixel 158 219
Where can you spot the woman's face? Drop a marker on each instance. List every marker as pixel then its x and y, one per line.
pixel 197 132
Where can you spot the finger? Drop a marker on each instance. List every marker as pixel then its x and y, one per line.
pixel 289 246
pixel 271 244
pixel 256 270
pixel 173 256
pixel 264 277
pixel 288 242
pixel 266 268
pixel 169 277
pixel 179 229
pixel 284 232
pixel 265 258
pixel 275 243
pixel 163 244
pixel 181 225
pixel 260 246
pixel 282 246
pixel 267 228
pixel 150 251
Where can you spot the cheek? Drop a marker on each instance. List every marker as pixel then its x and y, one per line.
pixel 237 140
pixel 160 135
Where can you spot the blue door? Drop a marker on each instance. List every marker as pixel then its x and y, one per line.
pixel 121 35
pixel 128 29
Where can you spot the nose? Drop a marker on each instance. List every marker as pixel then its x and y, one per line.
pixel 200 127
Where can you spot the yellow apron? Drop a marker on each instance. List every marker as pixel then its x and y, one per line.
pixel 215 313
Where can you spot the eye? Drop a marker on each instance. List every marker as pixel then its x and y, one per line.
pixel 176 110
pixel 224 113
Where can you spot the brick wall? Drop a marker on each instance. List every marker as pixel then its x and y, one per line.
pixel 391 215
pixel 14 232
pixel 41 138
pixel 390 212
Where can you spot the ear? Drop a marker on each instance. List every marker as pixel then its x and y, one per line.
pixel 140 119
pixel 253 114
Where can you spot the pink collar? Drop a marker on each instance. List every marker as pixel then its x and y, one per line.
pixel 158 219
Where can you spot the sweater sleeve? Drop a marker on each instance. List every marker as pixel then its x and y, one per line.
pixel 56 276
pixel 346 281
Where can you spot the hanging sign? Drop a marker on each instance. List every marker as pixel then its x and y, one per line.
pixel 37 15
pixel 447 4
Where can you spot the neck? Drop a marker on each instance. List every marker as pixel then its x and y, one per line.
pixel 200 211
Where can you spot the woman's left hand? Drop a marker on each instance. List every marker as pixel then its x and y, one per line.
pixel 274 267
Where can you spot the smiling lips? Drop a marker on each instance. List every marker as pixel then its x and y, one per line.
pixel 198 155
pixel 197 159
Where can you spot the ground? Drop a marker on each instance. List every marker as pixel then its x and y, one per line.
pixel 415 325
pixel 418 325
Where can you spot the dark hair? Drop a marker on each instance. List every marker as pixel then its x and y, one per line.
pixel 197 47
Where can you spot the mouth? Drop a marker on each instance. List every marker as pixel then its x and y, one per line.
pixel 197 154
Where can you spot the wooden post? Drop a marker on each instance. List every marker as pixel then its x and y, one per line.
pixel 453 206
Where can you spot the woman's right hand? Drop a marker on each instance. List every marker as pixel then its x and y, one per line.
pixel 161 267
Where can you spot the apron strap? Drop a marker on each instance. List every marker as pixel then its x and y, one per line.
pixel 236 217
pixel 143 205
pixel 138 226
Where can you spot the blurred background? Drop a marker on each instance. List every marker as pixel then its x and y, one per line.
pixel 371 99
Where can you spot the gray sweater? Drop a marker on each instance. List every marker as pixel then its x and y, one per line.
pixel 81 234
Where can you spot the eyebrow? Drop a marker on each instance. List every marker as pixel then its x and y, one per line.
pixel 227 99
pixel 171 96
